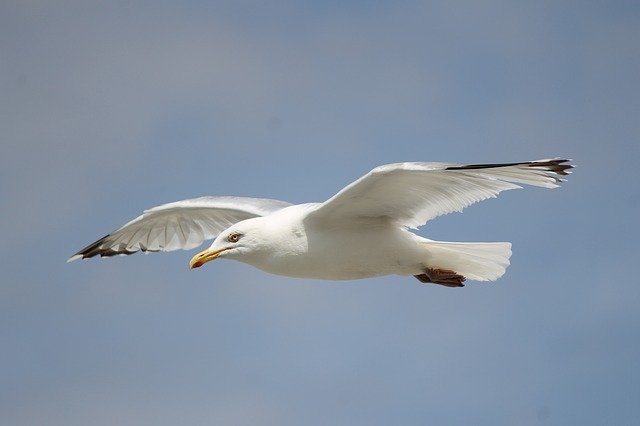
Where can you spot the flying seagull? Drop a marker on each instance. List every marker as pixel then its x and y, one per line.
pixel 362 231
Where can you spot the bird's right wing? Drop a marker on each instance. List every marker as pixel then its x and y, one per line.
pixel 181 225
pixel 410 194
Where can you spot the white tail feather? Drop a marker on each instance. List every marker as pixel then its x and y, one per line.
pixel 474 261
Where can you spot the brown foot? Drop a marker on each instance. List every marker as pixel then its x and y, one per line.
pixel 443 277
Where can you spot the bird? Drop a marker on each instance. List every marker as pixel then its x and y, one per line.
pixel 363 231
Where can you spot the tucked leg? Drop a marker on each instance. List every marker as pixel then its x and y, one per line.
pixel 443 277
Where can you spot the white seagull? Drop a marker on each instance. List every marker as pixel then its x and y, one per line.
pixel 361 232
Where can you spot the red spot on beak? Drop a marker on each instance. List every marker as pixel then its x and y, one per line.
pixel 197 264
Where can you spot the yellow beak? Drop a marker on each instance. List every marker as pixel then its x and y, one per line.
pixel 203 257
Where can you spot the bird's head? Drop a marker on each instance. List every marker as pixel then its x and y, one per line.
pixel 240 242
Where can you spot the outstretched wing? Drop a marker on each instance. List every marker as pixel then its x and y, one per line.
pixel 180 225
pixel 410 194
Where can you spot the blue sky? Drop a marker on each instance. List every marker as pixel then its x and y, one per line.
pixel 111 108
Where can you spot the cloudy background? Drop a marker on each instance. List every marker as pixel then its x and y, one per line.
pixel 108 108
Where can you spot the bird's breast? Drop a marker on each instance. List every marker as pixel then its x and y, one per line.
pixel 341 254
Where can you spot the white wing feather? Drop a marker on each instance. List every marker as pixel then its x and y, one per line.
pixel 180 225
pixel 410 194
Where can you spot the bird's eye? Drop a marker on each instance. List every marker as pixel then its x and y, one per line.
pixel 233 238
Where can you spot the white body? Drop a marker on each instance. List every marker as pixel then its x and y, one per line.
pixel 294 246
pixel 304 250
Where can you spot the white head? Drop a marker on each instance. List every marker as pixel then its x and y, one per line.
pixel 242 241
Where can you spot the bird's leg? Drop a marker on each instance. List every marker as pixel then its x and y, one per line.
pixel 445 277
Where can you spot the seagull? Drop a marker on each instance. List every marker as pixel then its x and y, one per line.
pixel 362 231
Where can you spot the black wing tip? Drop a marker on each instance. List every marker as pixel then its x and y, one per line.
pixel 97 249
pixel 559 166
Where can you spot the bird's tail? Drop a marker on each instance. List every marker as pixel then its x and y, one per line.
pixel 474 261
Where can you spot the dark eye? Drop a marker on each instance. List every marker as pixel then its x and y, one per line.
pixel 233 238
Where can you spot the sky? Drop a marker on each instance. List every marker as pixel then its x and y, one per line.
pixel 109 108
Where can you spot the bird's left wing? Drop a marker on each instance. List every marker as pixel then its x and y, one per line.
pixel 181 225
pixel 410 194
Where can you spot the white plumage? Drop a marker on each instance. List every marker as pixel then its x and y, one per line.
pixel 360 232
